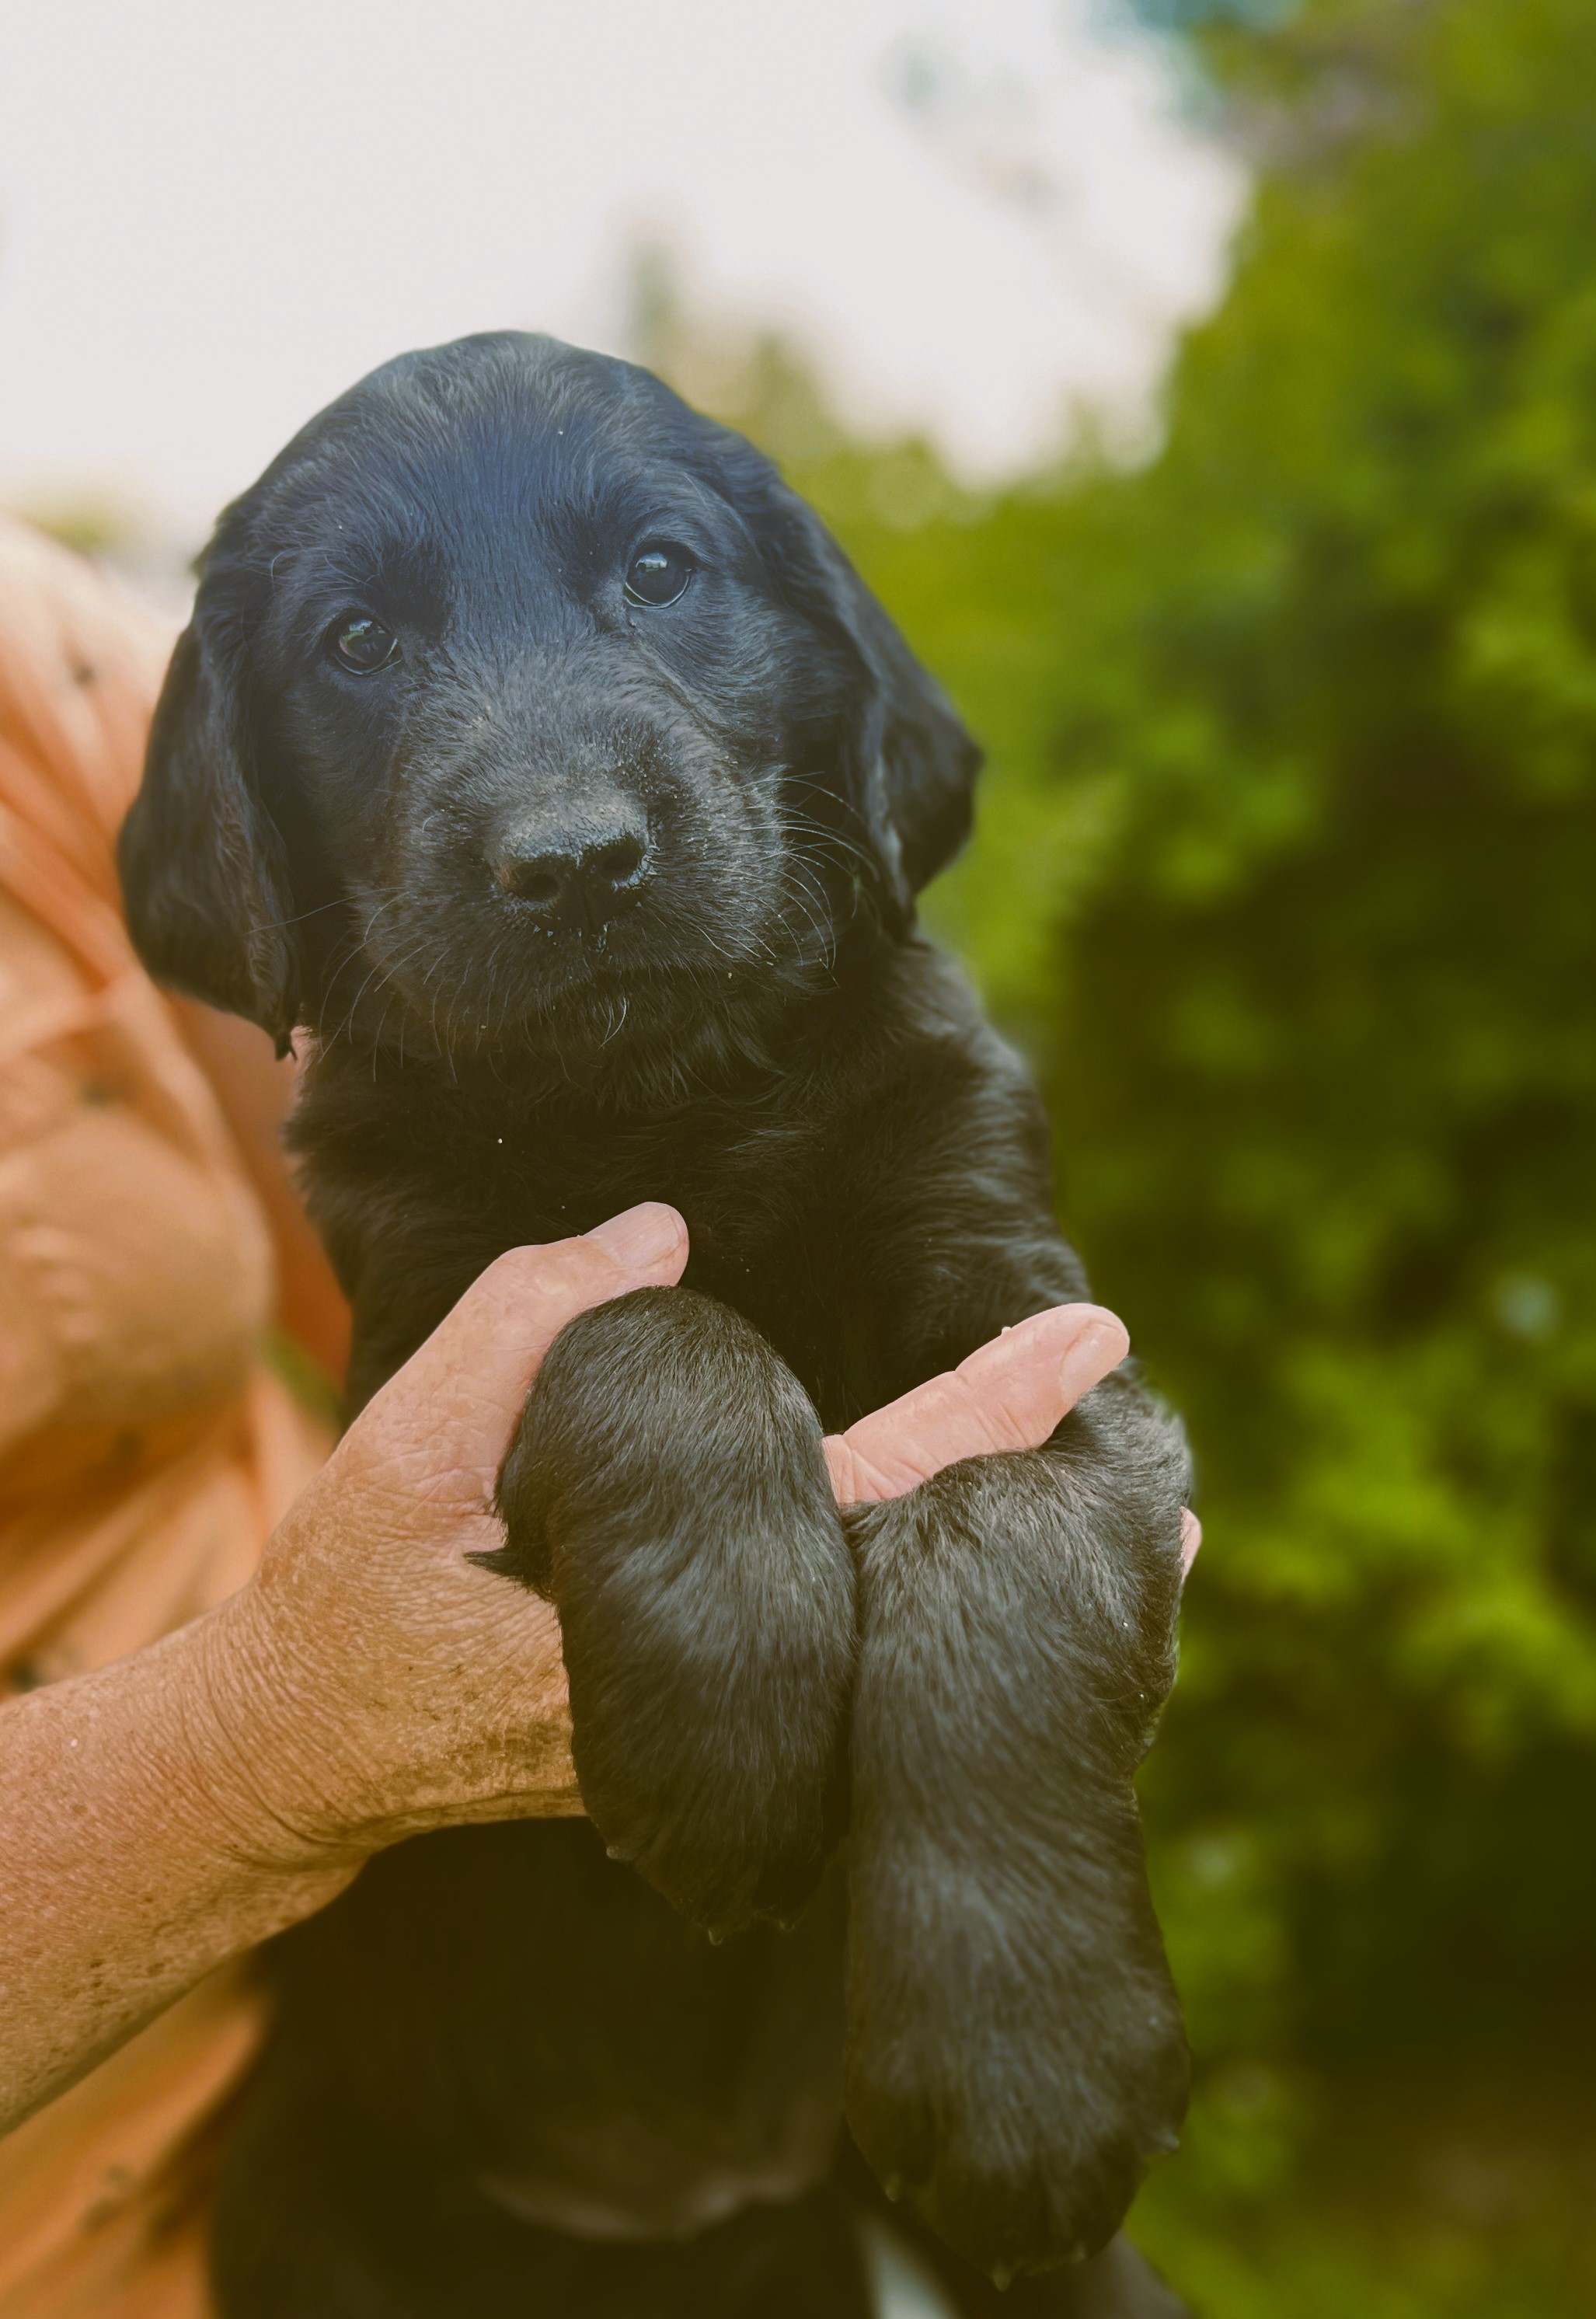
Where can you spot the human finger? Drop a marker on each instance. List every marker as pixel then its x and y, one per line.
pixel 1191 1539
pixel 1008 1394
pixel 470 1378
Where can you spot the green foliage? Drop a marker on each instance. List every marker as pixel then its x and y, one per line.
pixel 1323 1061
pixel 1287 878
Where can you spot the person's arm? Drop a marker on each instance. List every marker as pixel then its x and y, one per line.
pixel 167 1811
pixel 162 1815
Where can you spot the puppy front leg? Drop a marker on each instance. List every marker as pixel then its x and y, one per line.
pixel 667 1491
pixel 1015 2051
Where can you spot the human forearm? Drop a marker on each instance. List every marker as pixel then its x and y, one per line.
pixel 130 1863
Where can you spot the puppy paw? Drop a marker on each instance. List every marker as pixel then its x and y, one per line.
pixel 667 1490
pixel 1015 2052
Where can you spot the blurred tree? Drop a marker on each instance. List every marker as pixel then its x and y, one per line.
pixel 1287 878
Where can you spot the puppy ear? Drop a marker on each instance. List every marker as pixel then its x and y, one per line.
pixel 914 765
pixel 204 872
pixel 909 765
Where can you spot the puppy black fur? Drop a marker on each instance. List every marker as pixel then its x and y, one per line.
pixel 538 750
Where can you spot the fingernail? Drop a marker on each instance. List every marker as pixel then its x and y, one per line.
pixel 642 1235
pixel 1099 1347
pixel 1191 1539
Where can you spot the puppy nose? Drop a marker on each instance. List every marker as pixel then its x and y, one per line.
pixel 577 870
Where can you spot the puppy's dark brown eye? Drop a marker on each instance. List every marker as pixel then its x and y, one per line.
pixel 364 646
pixel 659 574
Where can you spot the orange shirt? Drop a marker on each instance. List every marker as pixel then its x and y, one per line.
pixel 146 1452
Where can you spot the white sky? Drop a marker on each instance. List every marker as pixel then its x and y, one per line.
pixel 214 214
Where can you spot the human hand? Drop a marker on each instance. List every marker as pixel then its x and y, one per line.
pixel 372 1683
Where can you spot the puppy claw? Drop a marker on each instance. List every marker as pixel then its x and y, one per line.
pixel 893 2186
pixel 1001 2276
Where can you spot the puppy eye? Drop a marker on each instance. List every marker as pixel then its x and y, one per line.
pixel 659 574
pixel 364 646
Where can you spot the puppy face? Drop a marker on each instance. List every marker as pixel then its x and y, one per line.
pixel 523 706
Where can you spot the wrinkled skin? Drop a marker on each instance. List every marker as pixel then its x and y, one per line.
pixel 591 898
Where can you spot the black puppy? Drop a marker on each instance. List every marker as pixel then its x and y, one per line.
pixel 534 747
